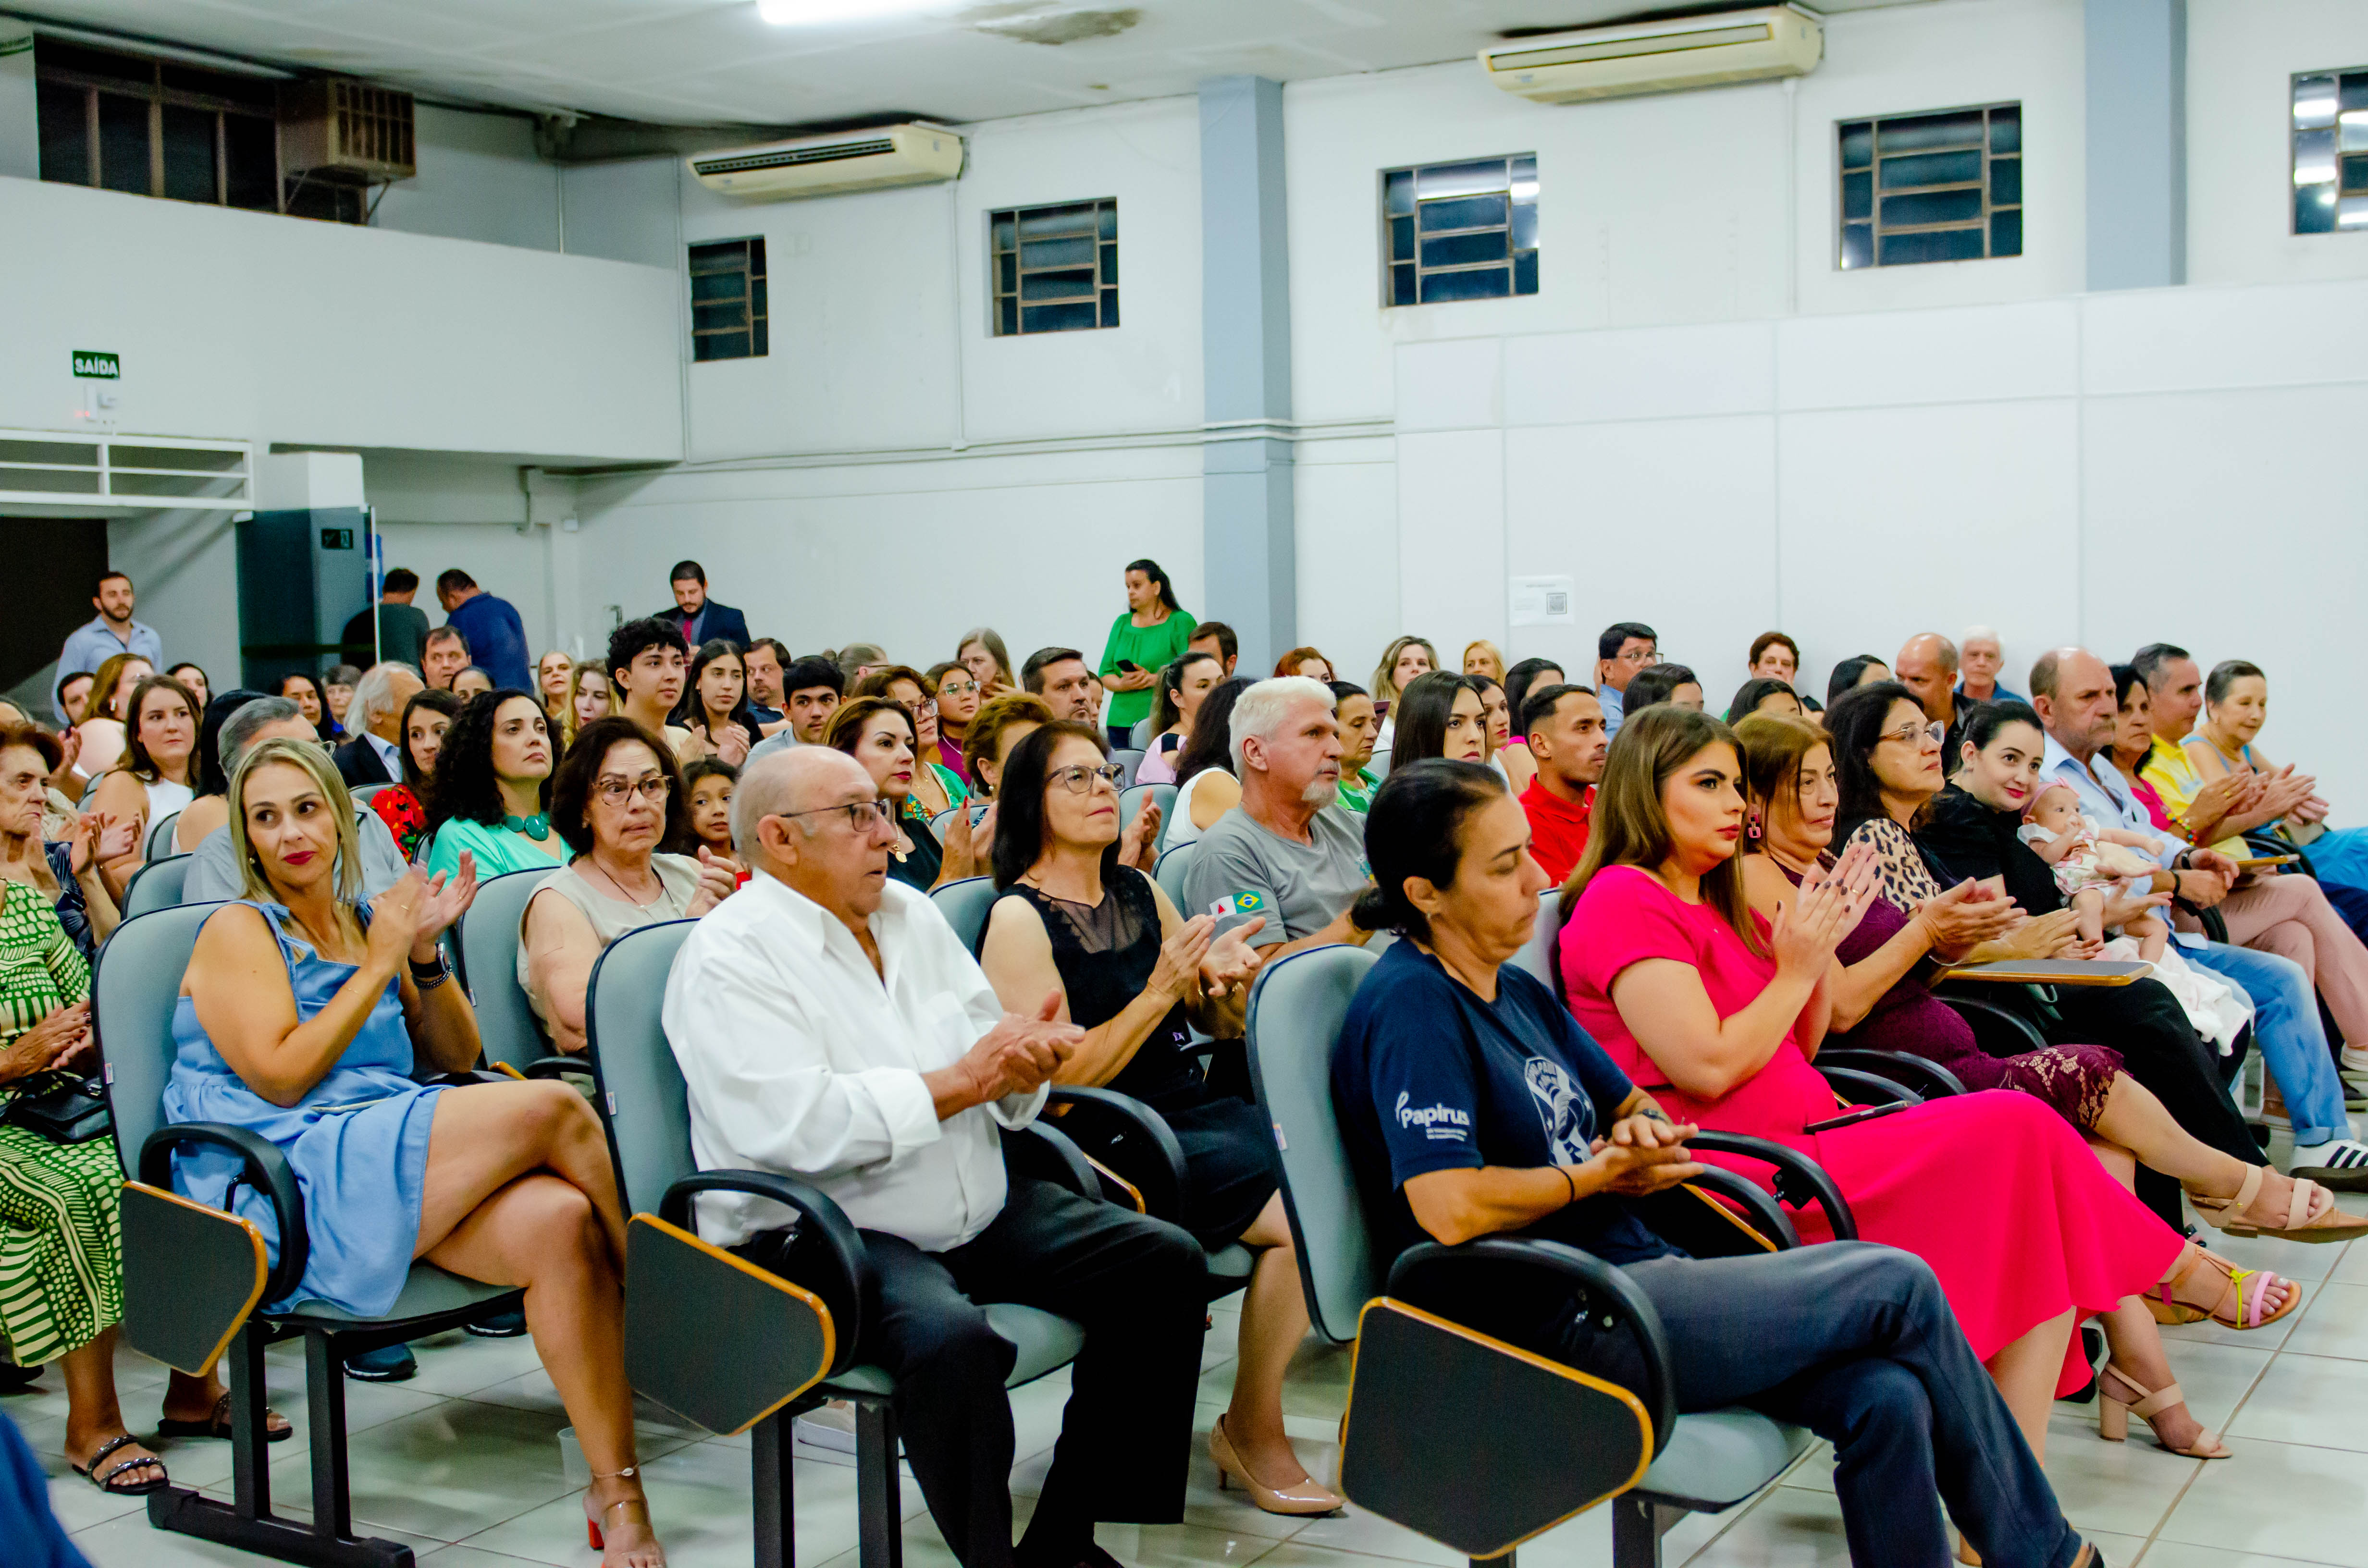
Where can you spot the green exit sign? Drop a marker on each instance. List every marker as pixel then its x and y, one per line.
pixel 92 366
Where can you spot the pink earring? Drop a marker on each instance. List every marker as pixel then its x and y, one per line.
pixel 1753 829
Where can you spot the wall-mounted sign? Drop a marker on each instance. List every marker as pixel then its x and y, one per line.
pixel 1541 601
pixel 92 366
pixel 337 538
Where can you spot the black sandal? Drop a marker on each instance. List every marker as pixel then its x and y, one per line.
pixel 217 1425
pixel 106 1482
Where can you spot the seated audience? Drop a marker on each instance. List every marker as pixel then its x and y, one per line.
pixel 1287 856
pixel 489 795
pixel 1851 674
pixel 1002 722
pixel 588 698
pixel 714 706
pixel 709 784
pixel 302 1018
pixel 372 755
pixel 248 720
pixel 1928 668
pixel 1667 966
pixel 1511 762
pixel 208 811
pixel 1303 660
pixel 305 692
pixel 553 674
pixel 472 681
pixel 956 692
pixel 1567 738
pixel 1482 658
pixel 1183 684
pixel 194 677
pixel 1060 676
pixel 1627 648
pixel 1774 656
pixel 337 689
pixel 1519 681
pixel 830 1026
pixel 101 736
pixel 74 697
pixel 615 799
pixel 58 810
pixel 1672 684
pixel 443 655
pixel 1360 728
pixel 1856 1341
pixel 1763 694
pixel 936 787
pixel 1402 661
pixel 1215 637
pixel 814 687
pixel 879 735
pixel 1981 656
pixel 859 659
pixel 1137 976
pixel 2236 706
pixel 1439 715
pixel 1151 633
pixel 65 871
pixel 156 776
pixel 648 678
pixel 767 660
pixel 402 805
pixel 1206 785
pixel 981 652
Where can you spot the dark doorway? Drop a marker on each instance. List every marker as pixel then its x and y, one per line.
pixel 44 594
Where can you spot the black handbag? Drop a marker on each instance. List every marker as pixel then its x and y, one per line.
pixel 66 1109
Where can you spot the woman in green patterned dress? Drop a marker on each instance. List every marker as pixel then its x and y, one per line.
pixel 61 1233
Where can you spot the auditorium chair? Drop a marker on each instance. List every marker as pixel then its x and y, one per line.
pixel 488 944
pixel 156 885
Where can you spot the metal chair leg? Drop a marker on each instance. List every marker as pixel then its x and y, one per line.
pixel 770 1444
pixel 1637 1525
pixel 878 1503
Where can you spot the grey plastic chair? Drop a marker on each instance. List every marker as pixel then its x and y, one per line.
pixel 642 1103
pixel 1130 804
pixel 160 837
pixel 1141 736
pixel 1129 758
pixel 1707 1462
pixel 194 1278
pixel 362 792
pixel 513 1036
pixel 938 824
pixel 964 904
pixel 156 885
pixel 1537 955
pixel 1173 867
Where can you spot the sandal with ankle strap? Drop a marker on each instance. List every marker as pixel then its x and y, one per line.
pixel 2113 1417
pixel 592 1527
pixel 217 1423
pixel 107 1482
pixel 2241 1293
pixel 2307 1219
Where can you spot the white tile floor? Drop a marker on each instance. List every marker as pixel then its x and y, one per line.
pixel 463 1463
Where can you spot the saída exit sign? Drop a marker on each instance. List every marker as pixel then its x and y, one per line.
pixel 92 366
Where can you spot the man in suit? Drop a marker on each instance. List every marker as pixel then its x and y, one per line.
pixel 375 754
pixel 698 618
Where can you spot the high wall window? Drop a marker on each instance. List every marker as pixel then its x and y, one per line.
pixel 1941 186
pixel 156 127
pixel 727 299
pixel 1055 269
pixel 1464 231
pixel 2330 152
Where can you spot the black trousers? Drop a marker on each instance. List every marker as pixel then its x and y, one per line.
pixel 1857 1343
pixel 1135 1285
pixel 2161 1049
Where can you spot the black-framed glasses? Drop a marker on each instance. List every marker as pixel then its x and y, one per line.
pixel 862 815
pixel 653 789
pixel 1080 778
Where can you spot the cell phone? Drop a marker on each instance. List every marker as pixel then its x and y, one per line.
pixel 1852 1118
pixel 1130 667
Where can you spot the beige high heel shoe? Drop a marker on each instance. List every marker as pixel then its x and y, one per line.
pixel 2114 1415
pixel 2306 1218
pixel 1303 1497
pixel 595 1532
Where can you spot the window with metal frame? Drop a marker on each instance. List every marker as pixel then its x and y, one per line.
pixel 1054 268
pixel 2330 152
pixel 727 299
pixel 156 127
pixel 1461 231
pixel 1941 186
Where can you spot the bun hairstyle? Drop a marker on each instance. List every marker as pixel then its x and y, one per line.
pixel 1414 828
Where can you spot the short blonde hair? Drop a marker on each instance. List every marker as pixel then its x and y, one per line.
pixel 1496 670
pixel 314 762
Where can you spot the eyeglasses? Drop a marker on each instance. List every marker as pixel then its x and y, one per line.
pixel 653 789
pixel 1080 778
pixel 1908 735
pixel 862 815
pixel 1645 656
pixel 927 710
pixel 949 688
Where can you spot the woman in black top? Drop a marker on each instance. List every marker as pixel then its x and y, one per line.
pixel 1135 974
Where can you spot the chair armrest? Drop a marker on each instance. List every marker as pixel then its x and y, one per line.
pixel 1863 1087
pixel 2022 1034
pixel 1760 1211
pixel 852 1292
pixel 1799 1179
pixel 2264 842
pixel 1128 1136
pixel 1927 1078
pixel 2215 924
pixel 266 1169
pixel 1597 1286
pixel 469 1079
pixel 558 1065
pixel 1048 1154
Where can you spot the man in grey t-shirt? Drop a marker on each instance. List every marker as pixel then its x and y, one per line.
pixel 1287 854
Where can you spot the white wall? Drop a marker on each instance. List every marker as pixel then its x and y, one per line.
pixel 479 179
pixel 2241 57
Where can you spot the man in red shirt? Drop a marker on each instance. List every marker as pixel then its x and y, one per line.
pixel 1567 739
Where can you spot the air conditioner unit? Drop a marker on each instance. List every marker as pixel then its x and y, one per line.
pixel 1631 58
pixel 337 126
pixel 821 165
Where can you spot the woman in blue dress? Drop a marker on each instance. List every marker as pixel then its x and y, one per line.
pixel 303 1015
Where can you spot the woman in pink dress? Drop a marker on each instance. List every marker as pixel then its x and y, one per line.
pixel 2026 1231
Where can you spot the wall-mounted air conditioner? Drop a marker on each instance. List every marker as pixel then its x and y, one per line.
pixel 821 165
pixel 1630 58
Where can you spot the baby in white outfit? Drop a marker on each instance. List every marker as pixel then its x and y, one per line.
pixel 2089 863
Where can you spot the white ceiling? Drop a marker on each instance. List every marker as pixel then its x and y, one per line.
pixel 702 62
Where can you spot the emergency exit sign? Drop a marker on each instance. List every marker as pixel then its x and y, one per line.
pixel 92 366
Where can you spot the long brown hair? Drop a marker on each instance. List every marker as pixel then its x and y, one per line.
pixel 1629 825
pixel 136 760
pixel 1772 747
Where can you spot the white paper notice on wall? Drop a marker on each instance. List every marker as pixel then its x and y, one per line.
pixel 1541 601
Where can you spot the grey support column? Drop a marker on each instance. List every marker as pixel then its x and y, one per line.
pixel 20 126
pixel 1246 534
pixel 2136 142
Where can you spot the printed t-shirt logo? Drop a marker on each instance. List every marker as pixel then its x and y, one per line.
pixel 1246 903
pixel 1442 1122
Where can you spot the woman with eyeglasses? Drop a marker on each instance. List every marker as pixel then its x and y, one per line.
pixel 491 791
pixel 879 734
pixel 618 796
pixel 936 787
pixel 1136 975
pixel 958 699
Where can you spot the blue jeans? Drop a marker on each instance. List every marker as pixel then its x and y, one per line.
pixel 2286 1025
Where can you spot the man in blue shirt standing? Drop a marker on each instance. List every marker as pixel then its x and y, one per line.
pixel 491 627
pixel 114 632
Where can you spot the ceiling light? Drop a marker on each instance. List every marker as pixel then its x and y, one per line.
pixel 800 13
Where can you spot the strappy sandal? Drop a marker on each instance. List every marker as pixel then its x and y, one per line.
pixel 593 1529
pixel 107 1482
pixel 217 1425
pixel 2242 1291
pixel 2324 1222
pixel 2113 1417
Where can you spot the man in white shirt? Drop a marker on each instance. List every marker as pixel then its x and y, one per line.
pixel 830 1026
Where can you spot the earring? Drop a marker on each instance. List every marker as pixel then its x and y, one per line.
pixel 1751 829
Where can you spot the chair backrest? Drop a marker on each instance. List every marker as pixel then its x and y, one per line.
pixel 1538 954
pixel 160 837
pixel 133 990
pixel 938 824
pixel 489 946
pixel 1295 1013
pixel 1171 870
pixel 1141 736
pixel 156 885
pixel 964 904
pixel 1130 804
pixel 639 1092
pixel 362 792
pixel 1379 764
pixel 1130 759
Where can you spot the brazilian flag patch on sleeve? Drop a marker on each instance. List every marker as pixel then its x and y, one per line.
pixel 1240 903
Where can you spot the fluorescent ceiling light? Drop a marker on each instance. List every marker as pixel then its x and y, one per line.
pixel 800 13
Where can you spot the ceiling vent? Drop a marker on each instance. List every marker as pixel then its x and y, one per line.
pixel 1631 58
pixel 824 165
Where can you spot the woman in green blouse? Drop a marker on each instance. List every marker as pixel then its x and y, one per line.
pixel 1153 630
pixel 491 791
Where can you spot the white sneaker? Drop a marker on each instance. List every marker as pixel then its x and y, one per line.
pixel 829 1426
pixel 2340 1164
pixel 2355 1061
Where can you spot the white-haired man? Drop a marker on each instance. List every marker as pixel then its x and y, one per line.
pixel 375 720
pixel 1288 852
pixel 1981 656
pixel 830 1026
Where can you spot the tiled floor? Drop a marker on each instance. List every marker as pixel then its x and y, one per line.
pixel 463 1463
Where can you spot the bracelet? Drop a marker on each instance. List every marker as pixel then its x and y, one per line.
pixel 425 975
pixel 1569 1181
